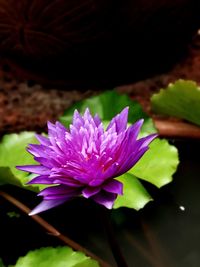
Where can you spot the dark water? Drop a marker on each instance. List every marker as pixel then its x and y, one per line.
pixel 166 233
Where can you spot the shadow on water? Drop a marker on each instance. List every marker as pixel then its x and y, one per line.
pixel 165 233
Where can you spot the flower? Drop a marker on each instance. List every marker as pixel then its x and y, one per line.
pixel 85 159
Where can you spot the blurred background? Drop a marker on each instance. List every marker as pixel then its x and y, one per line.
pixel 95 43
pixel 54 53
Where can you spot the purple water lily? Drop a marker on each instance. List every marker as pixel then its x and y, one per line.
pixel 86 159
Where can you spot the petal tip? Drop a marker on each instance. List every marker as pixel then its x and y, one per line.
pixel 31 213
pixel 50 125
pixel 20 167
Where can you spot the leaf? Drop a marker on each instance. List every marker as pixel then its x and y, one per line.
pixel 55 257
pixel 107 105
pixel 1 263
pixel 12 153
pixel 135 195
pixel 158 164
pixel 181 99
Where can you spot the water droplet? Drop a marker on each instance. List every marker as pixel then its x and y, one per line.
pixel 182 208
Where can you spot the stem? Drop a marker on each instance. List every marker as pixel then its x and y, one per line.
pixel 52 230
pixel 119 258
pixel 176 129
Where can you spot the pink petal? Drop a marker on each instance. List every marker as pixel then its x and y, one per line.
pixel 77 120
pixel 37 169
pixel 42 179
pixel 46 205
pixel 145 141
pixel 120 120
pixel 59 191
pixel 114 186
pixel 42 139
pixel 106 199
pixel 90 191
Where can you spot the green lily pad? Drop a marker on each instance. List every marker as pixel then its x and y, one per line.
pixel 158 164
pixel 12 153
pixel 109 104
pixel 135 195
pixel 1 263
pixel 55 257
pixel 157 167
pixel 181 100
